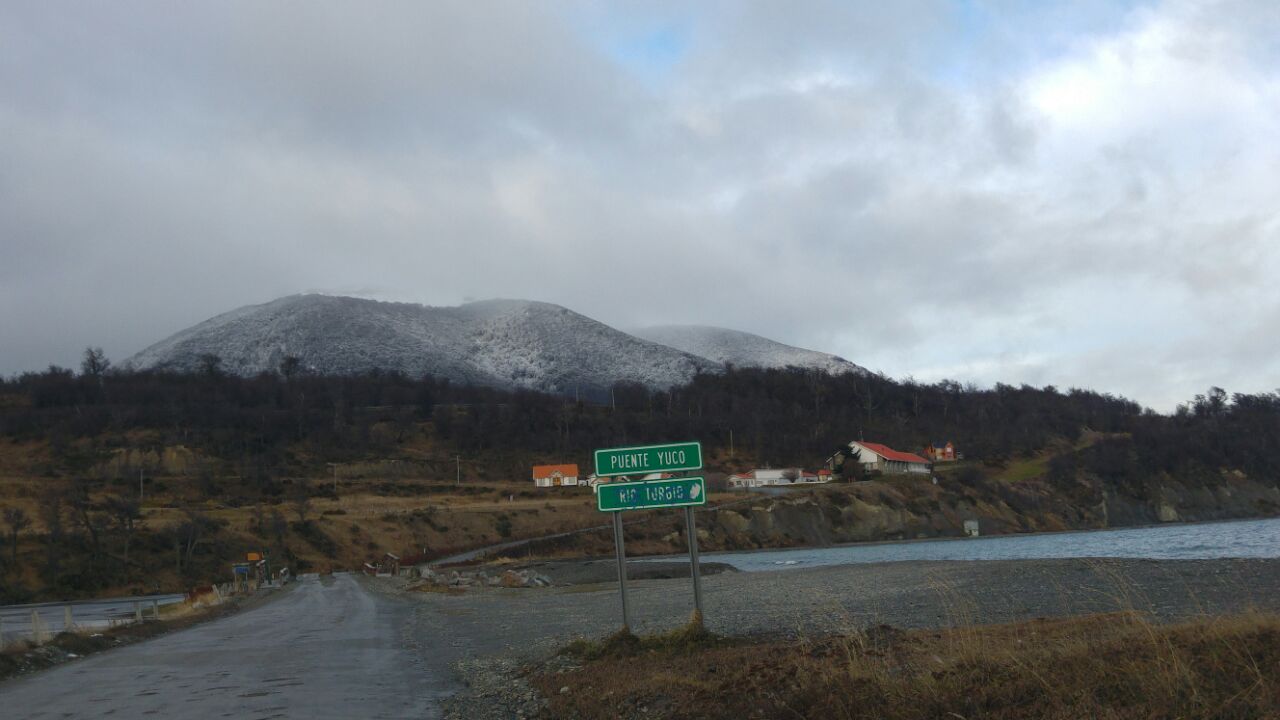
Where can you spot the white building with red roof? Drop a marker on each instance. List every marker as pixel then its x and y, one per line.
pixel 875 456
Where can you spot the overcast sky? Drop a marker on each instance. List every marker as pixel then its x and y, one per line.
pixel 1078 194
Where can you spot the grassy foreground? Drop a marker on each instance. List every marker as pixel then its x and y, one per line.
pixel 1103 666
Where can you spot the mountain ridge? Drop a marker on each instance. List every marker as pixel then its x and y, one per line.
pixel 506 343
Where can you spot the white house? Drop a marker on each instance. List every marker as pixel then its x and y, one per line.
pixel 875 456
pixel 768 477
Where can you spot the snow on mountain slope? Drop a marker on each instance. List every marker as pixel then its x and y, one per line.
pixel 500 343
pixel 743 349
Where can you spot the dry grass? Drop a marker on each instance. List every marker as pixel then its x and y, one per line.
pixel 1104 666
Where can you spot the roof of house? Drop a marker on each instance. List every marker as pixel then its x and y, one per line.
pixel 546 471
pixel 889 453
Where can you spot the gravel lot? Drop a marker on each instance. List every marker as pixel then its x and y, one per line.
pixel 488 634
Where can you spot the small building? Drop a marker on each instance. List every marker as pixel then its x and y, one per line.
pixel 941 452
pixel 595 481
pixel 882 458
pixel 390 565
pixel 555 475
pixel 768 477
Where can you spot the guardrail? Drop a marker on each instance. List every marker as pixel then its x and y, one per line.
pixel 40 622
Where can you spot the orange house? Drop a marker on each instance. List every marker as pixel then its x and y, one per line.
pixel 555 475
pixel 941 453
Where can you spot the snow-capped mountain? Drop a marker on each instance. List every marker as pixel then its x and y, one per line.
pixel 500 343
pixel 742 349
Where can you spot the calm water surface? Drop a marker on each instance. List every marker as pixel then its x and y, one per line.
pixel 1240 539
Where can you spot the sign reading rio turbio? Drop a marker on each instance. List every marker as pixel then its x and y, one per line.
pixel 674 492
pixel 674 457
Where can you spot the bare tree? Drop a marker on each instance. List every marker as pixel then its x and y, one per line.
pixel 290 366
pixel 279 526
pixel 210 364
pixel 791 475
pixel 301 500
pixel 51 517
pixel 17 520
pixel 127 513
pixel 94 363
pixel 87 515
pixel 188 536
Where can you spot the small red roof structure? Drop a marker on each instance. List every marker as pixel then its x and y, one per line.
pixel 546 471
pixel 889 453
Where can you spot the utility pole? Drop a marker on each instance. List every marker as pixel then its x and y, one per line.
pixel 142 495
pixel 730 443
pixel 458 477
pixel 335 476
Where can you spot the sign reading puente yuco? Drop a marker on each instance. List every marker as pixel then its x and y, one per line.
pixel 675 457
pixel 683 492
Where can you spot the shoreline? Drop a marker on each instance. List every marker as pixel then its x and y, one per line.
pixel 678 557
pixel 960 538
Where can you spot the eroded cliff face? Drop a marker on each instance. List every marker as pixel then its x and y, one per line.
pixel 1171 500
pixel 909 508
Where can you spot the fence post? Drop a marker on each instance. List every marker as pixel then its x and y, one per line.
pixel 37 628
pixel 68 624
pixel 137 611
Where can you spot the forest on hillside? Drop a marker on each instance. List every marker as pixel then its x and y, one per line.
pixel 255 436
pixel 292 423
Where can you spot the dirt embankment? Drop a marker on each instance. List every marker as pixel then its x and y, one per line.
pixel 908 509
pixel 914 508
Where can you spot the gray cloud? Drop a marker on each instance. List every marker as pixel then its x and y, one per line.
pixel 918 187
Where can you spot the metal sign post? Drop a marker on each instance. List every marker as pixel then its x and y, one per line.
pixel 622 568
pixel 619 497
pixel 692 528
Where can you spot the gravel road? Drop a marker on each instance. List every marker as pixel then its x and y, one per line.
pixel 326 648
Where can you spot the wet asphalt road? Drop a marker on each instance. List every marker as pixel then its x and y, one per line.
pixel 327 648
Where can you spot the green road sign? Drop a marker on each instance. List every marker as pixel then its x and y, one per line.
pixel 612 462
pixel 675 492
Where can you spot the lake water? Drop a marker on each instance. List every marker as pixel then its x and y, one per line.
pixel 1238 539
